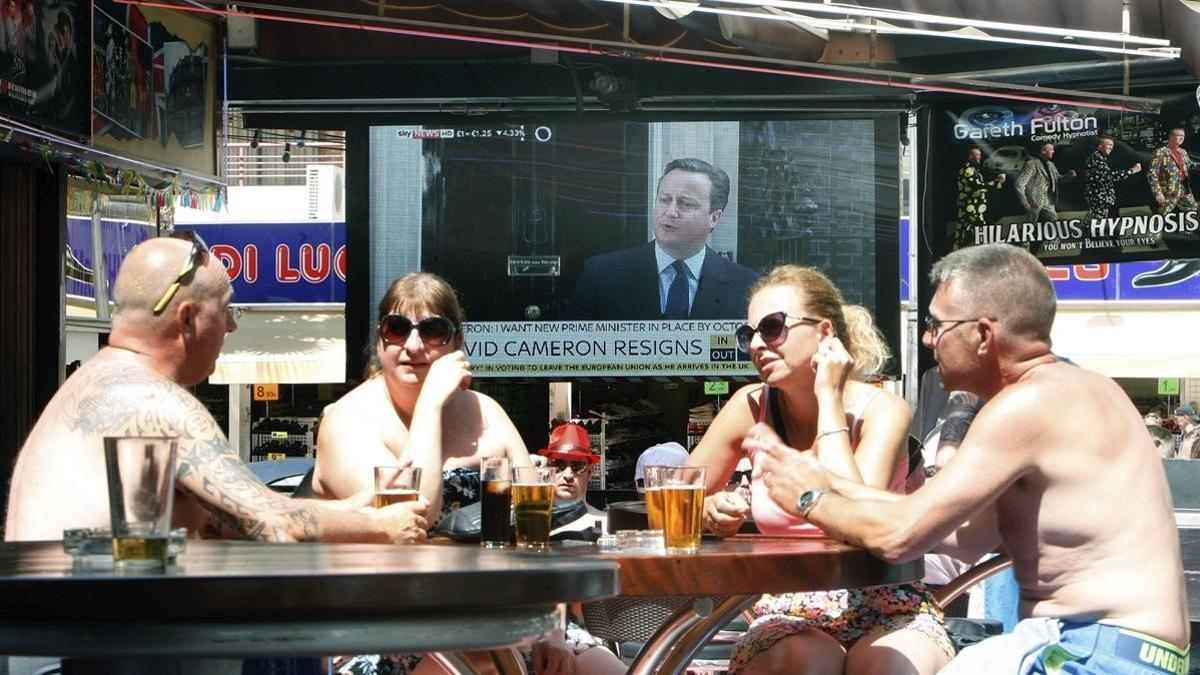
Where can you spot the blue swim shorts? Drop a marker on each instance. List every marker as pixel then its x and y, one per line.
pixel 1054 647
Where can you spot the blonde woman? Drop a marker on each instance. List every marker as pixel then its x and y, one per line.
pixel 812 353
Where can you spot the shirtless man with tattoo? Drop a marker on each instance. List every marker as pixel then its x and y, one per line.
pixel 172 317
pixel 1056 469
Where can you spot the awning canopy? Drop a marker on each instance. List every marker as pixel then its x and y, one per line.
pixel 1130 342
pixel 296 346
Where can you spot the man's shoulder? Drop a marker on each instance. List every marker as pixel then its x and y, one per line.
pixel 1050 394
pixel 621 257
pixel 737 271
pixel 108 396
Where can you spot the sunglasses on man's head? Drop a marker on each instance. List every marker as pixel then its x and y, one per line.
pixel 199 250
pixel 772 327
pixel 435 330
pixel 577 467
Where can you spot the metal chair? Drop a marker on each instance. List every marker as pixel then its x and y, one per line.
pixel 965 632
pixel 627 623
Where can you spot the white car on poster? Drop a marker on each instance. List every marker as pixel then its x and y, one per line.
pixel 1007 158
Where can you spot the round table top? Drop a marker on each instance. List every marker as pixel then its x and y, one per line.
pixel 753 564
pixel 311 580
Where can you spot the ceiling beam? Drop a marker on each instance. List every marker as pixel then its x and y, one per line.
pixel 916 83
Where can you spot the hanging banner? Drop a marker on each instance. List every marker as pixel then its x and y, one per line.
pixel 117 238
pixel 1127 282
pixel 1071 184
pixel 280 262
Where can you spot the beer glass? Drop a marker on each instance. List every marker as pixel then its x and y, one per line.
pixel 652 476
pixel 533 502
pixel 394 484
pixel 683 506
pixel 496 502
pixel 141 492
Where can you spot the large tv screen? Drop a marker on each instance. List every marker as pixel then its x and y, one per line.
pixel 562 239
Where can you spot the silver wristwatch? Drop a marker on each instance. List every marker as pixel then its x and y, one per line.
pixel 807 501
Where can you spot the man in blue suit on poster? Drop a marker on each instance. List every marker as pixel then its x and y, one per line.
pixel 676 275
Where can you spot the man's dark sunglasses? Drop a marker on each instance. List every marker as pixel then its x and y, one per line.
pixel 577 467
pixel 772 327
pixel 435 330
pixel 199 250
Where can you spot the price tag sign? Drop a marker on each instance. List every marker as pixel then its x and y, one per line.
pixel 1168 386
pixel 279 435
pixel 266 392
pixel 276 456
pixel 716 388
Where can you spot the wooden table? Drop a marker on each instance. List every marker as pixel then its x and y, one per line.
pixel 253 599
pixel 726 577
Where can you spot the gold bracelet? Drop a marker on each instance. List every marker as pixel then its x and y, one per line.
pixel 831 432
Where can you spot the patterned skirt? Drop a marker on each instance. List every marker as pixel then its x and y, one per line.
pixel 846 615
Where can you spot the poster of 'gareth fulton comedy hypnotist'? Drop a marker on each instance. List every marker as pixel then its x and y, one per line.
pixel 1073 184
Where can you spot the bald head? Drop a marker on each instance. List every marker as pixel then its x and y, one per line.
pixel 183 340
pixel 150 269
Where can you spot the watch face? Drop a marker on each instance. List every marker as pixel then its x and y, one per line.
pixel 806 500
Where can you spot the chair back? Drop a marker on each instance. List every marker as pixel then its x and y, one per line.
pixel 629 619
pixel 282 475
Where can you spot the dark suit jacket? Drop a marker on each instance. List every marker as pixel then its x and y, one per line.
pixel 624 285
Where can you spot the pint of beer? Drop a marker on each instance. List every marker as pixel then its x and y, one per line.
pixel 533 503
pixel 496 502
pixel 654 504
pixel 394 485
pixel 389 497
pixel 682 506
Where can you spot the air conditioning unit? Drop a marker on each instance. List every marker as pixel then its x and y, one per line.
pixel 241 32
pixel 326 186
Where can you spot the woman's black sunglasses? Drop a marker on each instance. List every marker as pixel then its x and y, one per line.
pixel 435 330
pixel 772 327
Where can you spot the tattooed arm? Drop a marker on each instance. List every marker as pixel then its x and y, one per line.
pixel 131 400
pixel 961 409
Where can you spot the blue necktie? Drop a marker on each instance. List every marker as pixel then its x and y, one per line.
pixel 677 294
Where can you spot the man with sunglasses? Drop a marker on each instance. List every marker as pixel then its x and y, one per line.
pixel 677 275
pixel 1056 469
pixel 569 453
pixel 172 317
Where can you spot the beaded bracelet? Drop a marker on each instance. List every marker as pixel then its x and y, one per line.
pixel 831 432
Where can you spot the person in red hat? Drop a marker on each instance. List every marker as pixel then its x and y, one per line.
pixel 569 453
pixel 576 652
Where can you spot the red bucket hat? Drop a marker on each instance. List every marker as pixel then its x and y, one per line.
pixel 570 442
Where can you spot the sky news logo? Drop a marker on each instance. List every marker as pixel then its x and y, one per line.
pixel 425 134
